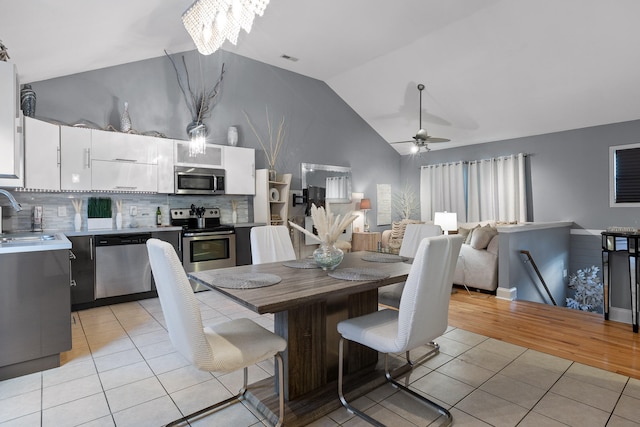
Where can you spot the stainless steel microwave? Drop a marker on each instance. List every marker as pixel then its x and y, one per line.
pixel 194 180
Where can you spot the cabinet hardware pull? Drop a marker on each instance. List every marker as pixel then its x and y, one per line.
pixel 125 160
pixel 122 187
pixel 73 283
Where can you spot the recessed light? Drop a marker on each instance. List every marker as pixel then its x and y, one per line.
pixel 290 58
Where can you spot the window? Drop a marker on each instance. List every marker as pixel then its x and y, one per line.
pixel 624 180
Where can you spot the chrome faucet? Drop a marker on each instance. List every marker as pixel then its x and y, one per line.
pixel 13 201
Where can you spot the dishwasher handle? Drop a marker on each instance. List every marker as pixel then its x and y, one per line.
pixel 122 239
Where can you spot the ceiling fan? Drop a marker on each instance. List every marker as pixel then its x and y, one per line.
pixel 421 138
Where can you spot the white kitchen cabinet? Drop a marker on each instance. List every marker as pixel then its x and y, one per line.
pixel 124 147
pixel 123 176
pixel 211 158
pixel 75 158
pixel 239 166
pixel 42 155
pixel 11 136
pixel 166 176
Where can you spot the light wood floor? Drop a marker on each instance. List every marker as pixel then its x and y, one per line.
pixel 582 337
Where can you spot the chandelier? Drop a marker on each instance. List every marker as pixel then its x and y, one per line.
pixel 211 22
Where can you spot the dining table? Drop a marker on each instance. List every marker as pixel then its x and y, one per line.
pixel 307 303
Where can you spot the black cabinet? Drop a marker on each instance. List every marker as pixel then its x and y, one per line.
pixel 83 269
pixel 243 246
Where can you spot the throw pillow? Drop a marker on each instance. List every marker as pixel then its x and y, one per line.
pixel 464 232
pixel 482 236
pixel 470 235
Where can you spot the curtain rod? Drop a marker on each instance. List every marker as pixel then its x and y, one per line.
pixel 466 162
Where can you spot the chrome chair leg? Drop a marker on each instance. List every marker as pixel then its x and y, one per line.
pixel 240 395
pixel 448 418
pixel 346 404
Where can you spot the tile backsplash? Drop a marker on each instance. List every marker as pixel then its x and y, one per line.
pixel 58 210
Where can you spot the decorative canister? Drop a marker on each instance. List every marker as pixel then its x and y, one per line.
pixel 232 136
pixel 28 101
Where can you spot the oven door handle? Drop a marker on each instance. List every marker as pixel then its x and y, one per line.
pixel 208 233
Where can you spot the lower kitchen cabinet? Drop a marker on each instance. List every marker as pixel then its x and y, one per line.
pixel 83 270
pixel 35 320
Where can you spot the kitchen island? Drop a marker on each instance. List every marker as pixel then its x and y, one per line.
pixel 35 323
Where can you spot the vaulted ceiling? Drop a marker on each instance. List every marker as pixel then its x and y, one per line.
pixel 493 69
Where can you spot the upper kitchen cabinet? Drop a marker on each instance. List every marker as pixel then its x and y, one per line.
pixel 212 156
pixel 123 176
pixel 123 147
pixel 42 155
pixel 239 165
pixel 75 159
pixel 165 166
pixel 123 162
pixel 11 136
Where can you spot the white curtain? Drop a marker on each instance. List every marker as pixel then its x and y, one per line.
pixel 337 187
pixel 497 189
pixel 442 189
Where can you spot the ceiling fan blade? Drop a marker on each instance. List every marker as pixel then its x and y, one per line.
pixel 403 142
pixel 434 139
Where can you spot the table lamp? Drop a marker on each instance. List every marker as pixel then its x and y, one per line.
pixel 365 205
pixel 448 221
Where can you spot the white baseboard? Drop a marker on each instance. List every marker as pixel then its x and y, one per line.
pixel 508 294
pixel 622 315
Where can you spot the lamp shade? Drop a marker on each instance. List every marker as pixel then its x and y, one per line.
pixel 365 204
pixel 448 221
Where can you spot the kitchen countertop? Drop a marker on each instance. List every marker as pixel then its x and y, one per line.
pixel 105 231
pixel 27 241
pixel 33 242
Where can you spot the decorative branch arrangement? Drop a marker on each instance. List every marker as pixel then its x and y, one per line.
pixel 274 144
pixel 329 228
pixel 405 202
pixel 77 205
pixel 589 295
pixel 199 101
pixel 4 54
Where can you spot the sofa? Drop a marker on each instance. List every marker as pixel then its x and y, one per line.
pixel 477 265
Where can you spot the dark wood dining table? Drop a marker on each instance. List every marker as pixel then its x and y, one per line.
pixel 307 305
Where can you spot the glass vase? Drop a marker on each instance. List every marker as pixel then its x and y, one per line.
pixel 328 256
pixel 273 175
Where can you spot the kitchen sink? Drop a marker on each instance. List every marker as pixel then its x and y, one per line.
pixel 23 239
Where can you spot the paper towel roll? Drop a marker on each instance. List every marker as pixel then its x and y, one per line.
pixel 274 194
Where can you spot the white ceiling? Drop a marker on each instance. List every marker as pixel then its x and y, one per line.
pixel 493 69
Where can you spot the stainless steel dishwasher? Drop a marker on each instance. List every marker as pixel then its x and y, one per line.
pixel 122 265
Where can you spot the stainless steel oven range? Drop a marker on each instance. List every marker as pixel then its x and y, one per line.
pixel 206 244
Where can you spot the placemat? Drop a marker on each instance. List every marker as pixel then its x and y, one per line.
pixel 358 274
pixel 243 280
pixel 301 263
pixel 381 257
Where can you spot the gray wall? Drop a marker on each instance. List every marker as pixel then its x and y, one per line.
pixel 322 128
pixel 569 174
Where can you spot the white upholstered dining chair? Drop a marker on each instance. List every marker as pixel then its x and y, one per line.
pixel 414 234
pixel 271 243
pixel 421 318
pixel 224 347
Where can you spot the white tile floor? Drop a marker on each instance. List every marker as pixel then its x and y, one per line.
pixel 123 371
